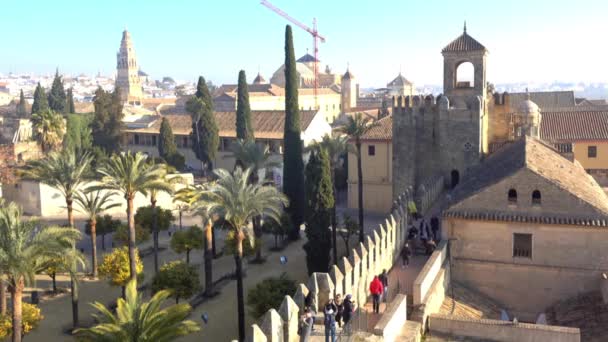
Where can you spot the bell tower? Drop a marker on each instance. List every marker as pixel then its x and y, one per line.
pixel 127 72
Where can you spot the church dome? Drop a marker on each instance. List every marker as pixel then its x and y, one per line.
pixel 528 107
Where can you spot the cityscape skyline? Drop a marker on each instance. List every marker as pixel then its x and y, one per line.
pixel 525 49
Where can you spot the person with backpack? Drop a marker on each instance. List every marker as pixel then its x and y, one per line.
pixel 384 280
pixel 347 312
pixel 435 228
pixel 330 311
pixel 376 289
pixel 307 323
pixel 406 254
pixel 340 313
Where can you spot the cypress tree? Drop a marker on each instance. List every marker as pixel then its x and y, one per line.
pixel 244 129
pixel 21 110
pixel 57 97
pixel 204 128
pixel 107 123
pixel 319 204
pixel 202 92
pixel 41 103
pixel 166 146
pixel 293 165
pixel 70 103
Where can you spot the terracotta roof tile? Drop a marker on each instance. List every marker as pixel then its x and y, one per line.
pixel 544 99
pixel 574 125
pixel 384 130
pixel 464 43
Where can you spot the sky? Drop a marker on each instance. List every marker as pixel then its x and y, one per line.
pixel 528 40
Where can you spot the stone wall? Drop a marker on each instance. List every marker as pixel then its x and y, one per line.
pixel 391 322
pixel 493 330
pixel 351 276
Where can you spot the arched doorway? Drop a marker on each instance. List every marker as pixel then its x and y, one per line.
pixel 455 176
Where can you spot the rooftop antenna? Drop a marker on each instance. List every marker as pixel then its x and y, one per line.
pixel 465 26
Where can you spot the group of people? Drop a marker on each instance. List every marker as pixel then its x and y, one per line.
pixel 420 230
pixel 379 290
pixel 337 311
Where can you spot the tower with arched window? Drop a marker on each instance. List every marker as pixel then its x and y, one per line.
pixel 127 72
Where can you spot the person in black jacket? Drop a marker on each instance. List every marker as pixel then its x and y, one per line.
pixel 384 280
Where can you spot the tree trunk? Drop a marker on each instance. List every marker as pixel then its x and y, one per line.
pixel 238 258
pixel 103 242
pixel 188 257
pixel 334 221
pixel 360 190
pixel 16 296
pixel 54 281
pixel 74 287
pixel 123 293
pixel 131 223
pixel 94 246
pixel 257 231
pixel 208 259
pixel 68 202
pixel 276 244
pixel 155 233
pixel 2 297
pixel 213 242
pixel 180 218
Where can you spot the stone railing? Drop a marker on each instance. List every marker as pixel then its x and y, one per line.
pixel 428 192
pixel 351 276
pixel 392 320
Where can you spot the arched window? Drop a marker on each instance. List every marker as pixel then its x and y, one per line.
pixel 536 197
pixel 512 196
pixel 465 75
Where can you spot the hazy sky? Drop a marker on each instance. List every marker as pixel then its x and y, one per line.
pixel 528 40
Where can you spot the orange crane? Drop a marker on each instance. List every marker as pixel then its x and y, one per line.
pixel 316 37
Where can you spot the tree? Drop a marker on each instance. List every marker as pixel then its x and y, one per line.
pixel 107 123
pixel 278 229
pixel 319 203
pixel 25 248
pixel 57 97
pixel 187 240
pixel 204 131
pixel 336 147
pixel 21 108
pixel 49 129
pixel 140 321
pixel 94 204
pixel 78 132
pixel 238 202
pixel 105 225
pixel 53 267
pixel 178 277
pixel 70 108
pixel 355 128
pixel 167 148
pixel 41 103
pixel 121 236
pixel 66 171
pixel 130 174
pixel 116 267
pixel 153 220
pixel 244 129
pixel 293 165
pixel 30 320
pixel 269 294
pixel 350 228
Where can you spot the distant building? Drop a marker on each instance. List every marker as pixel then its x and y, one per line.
pixel 400 86
pixel 127 72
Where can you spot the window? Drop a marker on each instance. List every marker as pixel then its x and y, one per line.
pixel 591 151
pixel 522 245
pixel 136 139
pixel 154 140
pixel 512 196
pixel 536 197
pixel 371 150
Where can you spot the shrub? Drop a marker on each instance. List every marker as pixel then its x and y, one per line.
pixel 115 266
pixel 144 218
pixel 178 277
pixel 31 318
pixel 187 240
pixel 269 293
pixel 121 237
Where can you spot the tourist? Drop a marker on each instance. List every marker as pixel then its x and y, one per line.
pixel 307 323
pixel 375 288
pixel 340 306
pixel 384 280
pixel 330 321
pixel 349 308
pixel 406 253
pixel 430 247
pixel 435 227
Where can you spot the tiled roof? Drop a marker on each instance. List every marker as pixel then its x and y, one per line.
pixel 266 124
pixel 525 217
pixel 541 159
pixel 464 43
pixel 259 79
pixel 399 81
pixel 306 58
pixel 544 99
pixel 383 130
pixel 230 90
pixel 574 125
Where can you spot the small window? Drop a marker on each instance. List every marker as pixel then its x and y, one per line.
pixel 591 151
pixel 136 139
pixel 536 197
pixel 371 150
pixel 522 245
pixel 512 196
pixel 154 140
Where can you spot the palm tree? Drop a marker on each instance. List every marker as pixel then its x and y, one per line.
pixel 66 171
pixel 140 321
pixel 355 128
pixel 25 250
pixel 239 201
pixel 335 147
pixel 94 204
pixel 257 157
pixel 130 174
pixel 49 128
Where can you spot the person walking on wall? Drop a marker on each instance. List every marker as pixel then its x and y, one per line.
pixel 435 228
pixel 384 280
pixel 340 309
pixel 376 288
pixel 306 325
pixel 347 313
pixel 330 321
pixel 406 254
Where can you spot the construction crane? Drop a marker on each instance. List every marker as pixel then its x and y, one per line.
pixel 316 37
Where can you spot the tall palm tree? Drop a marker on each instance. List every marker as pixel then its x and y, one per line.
pixel 355 128
pixel 140 321
pixel 130 174
pixel 25 250
pixel 335 146
pixel 257 157
pixel 238 202
pixel 49 129
pixel 66 171
pixel 93 204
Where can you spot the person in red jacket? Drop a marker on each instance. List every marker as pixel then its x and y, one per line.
pixel 376 289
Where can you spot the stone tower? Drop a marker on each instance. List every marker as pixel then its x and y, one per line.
pixel 526 120
pixel 127 72
pixel 446 135
pixel 349 91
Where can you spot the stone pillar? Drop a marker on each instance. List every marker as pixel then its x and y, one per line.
pixel 347 271
pixel 300 296
pixel 322 288
pixel 365 275
pixel 372 255
pixel 386 253
pixel 355 262
pixel 255 334
pixel 604 287
pixel 272 326
pixel 390 242
pixel 379 251
pixel 338 279
pixel 289 313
